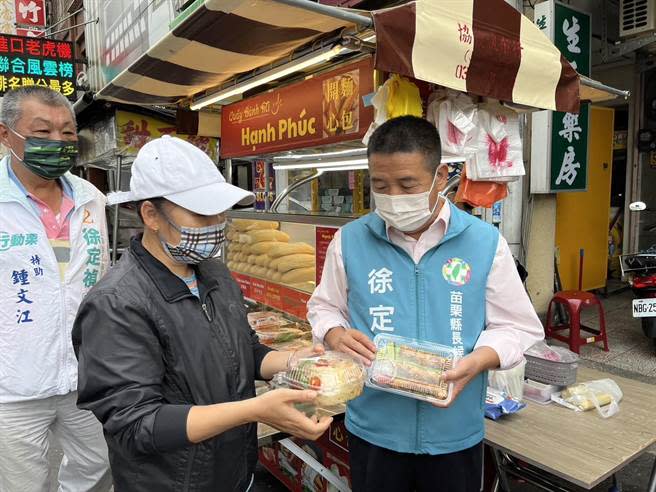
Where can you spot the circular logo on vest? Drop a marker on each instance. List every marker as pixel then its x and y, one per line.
pixel 457 272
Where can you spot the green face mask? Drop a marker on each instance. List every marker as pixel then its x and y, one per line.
pixel 49 159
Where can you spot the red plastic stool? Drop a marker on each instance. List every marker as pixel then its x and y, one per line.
pixel 574 301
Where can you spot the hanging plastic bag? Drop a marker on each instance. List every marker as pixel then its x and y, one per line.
pixel 510 381
pixel 479 193
pixel 396 97
pixel 456 119
pixel 497 150
pixel 379 102
pixel 404 98
pixel 602 394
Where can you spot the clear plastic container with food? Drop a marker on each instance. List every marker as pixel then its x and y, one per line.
pixel 283 334
pixel 298 344
pixel 262 320
pixel 412 368
pixel 337 378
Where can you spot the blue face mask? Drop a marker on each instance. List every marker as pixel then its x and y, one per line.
pixel 196 243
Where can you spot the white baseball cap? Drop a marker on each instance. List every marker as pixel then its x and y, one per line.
pixel 171 168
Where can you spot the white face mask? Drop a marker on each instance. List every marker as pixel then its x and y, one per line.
pixel 406 213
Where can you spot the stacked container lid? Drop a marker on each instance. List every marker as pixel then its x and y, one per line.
pixel 412 368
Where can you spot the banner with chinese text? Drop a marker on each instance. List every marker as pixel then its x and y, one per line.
pixel 135 130
pixel 30 13
pixel 565 135
pixel 321 110
pixel 27 61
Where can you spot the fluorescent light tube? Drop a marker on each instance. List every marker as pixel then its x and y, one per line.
pixel 281 71
pixel 346 168
pixel 337 153
pixel 326 165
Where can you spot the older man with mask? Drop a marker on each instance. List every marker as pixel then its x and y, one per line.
pixel 53 249
pixel 402 285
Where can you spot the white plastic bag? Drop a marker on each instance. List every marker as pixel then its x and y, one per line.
pixel 555 354
pixel 456 120
pixel 497 150
pixel 510 381
pixel 379 102
pixel 602 394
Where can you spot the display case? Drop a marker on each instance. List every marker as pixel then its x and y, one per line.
pixel 277 259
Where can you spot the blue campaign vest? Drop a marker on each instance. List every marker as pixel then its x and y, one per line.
pixel 448 283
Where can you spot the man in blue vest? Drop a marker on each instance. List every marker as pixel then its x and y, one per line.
pixel 419 267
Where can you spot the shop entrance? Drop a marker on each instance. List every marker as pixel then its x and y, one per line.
pixel 618 201
pixel 582 219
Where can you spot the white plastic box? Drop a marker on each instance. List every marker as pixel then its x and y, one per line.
pixel 539 392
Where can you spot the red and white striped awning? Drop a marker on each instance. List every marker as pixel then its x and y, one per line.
pixel 484 47
pixel 219 40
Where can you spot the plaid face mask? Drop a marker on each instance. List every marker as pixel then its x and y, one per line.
pixel 196 243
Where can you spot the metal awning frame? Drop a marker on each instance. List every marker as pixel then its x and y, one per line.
pixel 588 82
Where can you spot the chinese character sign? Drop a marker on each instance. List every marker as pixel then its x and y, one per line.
pixel 31 12
pixel 8 241
pixel 27 61
pixel 93 241
pixel 569 139
pixel 341 104
pixel 325 109
pixel 20 279
pixel 382 317
pixel 29 33
pixel 560 157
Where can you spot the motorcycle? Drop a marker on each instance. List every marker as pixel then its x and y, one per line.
pixel 640 271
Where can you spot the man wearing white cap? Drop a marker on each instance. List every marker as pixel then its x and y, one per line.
pixel 167 359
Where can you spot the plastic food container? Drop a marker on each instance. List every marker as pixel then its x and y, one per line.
pixel 299 343
pixel 412 368
pixel 282 334
pixel 261 387
pixel 336 377
pixel 539 392
pixel 260 319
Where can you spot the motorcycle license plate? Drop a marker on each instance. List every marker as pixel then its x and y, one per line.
pixel 644 308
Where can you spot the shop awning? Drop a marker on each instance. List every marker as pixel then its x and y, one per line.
pixel 220 39
pixel 506 55
pixel 484 47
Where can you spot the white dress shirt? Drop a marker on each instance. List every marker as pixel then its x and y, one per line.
pixel 511 324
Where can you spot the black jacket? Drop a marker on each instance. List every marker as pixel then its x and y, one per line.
pixel 148 350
